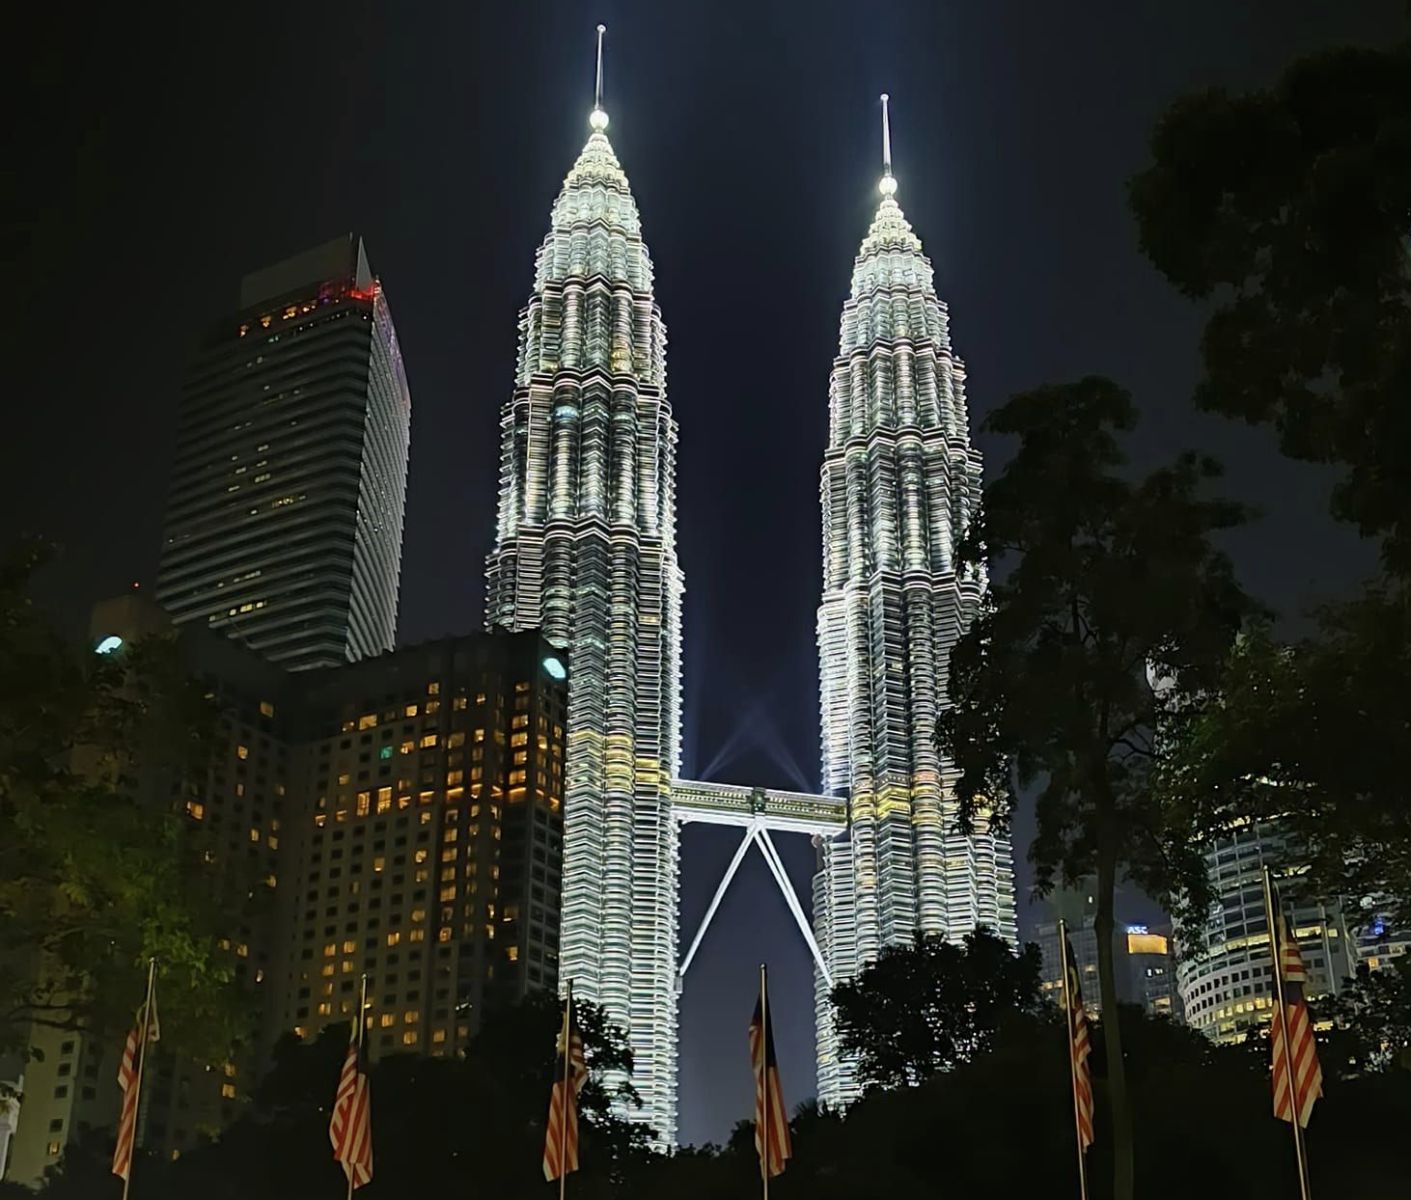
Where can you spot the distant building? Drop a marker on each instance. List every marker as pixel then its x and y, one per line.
pixel 1141 956
pixel 401 817
pixel 284 517
pixel 1152 971
pixel 1224 974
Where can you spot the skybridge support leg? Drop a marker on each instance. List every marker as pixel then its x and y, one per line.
pixel 715 902
pixel 781 877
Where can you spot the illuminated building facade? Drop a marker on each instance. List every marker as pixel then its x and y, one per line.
pixel 900 486
pixel 284 516
pixel 1224 973
pixel 424 840
pixel 586 551
pixel 400 816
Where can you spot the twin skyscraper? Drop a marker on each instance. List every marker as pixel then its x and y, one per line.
pixel 585 549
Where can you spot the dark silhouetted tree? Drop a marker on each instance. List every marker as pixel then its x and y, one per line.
pixel 923 1008
pixel 1101 582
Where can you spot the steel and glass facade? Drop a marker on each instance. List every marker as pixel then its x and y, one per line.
pixel 284 517
pixel 586 551
pixel 900 485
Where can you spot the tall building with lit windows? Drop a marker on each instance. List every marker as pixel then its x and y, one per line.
pixel 284 515
pixel 424 840
pixel 900 486
pixel 586 550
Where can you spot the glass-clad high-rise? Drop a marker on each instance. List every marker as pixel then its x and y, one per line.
pixel 284 515
pixel 586 550
pixel 900 486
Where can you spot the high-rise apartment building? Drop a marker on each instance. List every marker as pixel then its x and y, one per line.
pixel 586 550
pixel 401 816
pixel 900 487
pixel 284 517
pixel 425 832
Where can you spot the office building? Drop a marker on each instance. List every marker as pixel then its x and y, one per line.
pixel 1224 975
pixel 900 486
pixel 585 549
pixel 283 528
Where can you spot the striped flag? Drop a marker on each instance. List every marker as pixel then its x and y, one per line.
pixel 1079 1048
pixel 771 1122
pixel 350 1129
pixel 570 1074
pixel 1293 1023
pixel 128 1070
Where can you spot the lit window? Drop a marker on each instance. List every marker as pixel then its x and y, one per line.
pixel 367 721
pixel 242 751
pixel 266 708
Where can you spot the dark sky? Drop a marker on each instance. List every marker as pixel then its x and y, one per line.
pixel 160 158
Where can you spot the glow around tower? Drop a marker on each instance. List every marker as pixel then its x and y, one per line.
pixel 900 485
pixel 586 549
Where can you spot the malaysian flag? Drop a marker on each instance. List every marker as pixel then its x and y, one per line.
pixel 350 1128
pixel 1298 1056
pixel 771 1122
pixel 1080 1046
pixel 130 1079
pixel 570 1074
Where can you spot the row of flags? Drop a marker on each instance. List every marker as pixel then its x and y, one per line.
pixel 1297 1077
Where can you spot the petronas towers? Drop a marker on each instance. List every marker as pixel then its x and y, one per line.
pixel 586 550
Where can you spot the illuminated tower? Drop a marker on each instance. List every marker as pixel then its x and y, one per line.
pixel 284 517
pixel 586 549
pixel 900 485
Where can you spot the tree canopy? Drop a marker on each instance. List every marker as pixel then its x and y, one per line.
pixel 923 1008
pixel 96 874
pixel 1287 208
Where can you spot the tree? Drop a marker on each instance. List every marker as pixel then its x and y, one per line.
pixel 1289 207
pixel 1313 736
pixel 1372 1017
pixel 924 1008
pixel 95 872
pixel 1104 581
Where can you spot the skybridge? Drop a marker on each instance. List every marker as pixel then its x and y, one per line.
pixel 757 811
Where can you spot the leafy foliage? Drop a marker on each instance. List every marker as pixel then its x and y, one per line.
pixel 1105 584
pixel 1289 207
pixel 1315 736
pixel 95 873
pixel 923 1008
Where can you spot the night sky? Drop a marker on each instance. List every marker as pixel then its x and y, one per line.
pixel 161 158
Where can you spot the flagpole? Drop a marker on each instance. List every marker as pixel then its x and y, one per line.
pixel 1276 951
pixel 762 1084
pixel 362 1025
pixel 1072 1064
pixel 141 1062
pixel 567 1084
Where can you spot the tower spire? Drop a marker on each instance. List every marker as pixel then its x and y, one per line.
pixel 888 185
pixel 598 119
